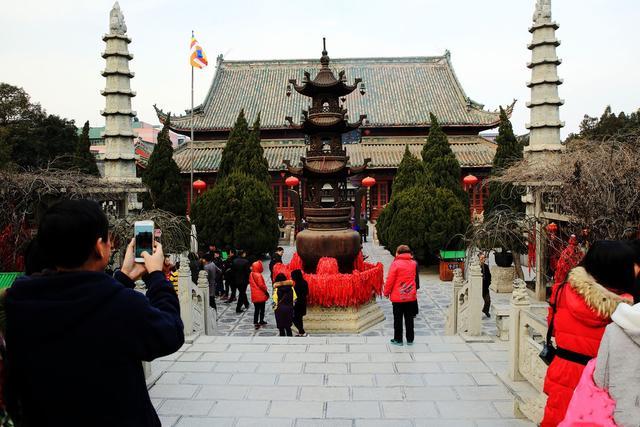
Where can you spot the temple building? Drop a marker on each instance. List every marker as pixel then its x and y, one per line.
pixel 400 93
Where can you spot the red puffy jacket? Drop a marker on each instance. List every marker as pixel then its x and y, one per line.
pixel 259 291
pixel 401 280
pixel 583 310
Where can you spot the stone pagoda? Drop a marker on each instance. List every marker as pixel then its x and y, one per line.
pixel 545 123
pixel 119 160
pixel 323 202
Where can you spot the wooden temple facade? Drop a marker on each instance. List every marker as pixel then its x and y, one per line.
pixel 400 94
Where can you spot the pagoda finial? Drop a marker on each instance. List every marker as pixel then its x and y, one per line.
pixel 324 60
pixel 542 13
pixel 116 20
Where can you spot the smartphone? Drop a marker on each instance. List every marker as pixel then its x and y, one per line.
pixel 143 233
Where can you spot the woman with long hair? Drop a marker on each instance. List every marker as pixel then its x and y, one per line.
pixel 581 308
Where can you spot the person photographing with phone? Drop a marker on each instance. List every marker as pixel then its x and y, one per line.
pixel 76 337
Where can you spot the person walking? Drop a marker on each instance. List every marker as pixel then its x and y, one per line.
pixel 580 309
pixel 486 283
pixel 241 269
pixel 300 307
pixel 76 337
pixel 217 260
pixel 229 281
pixel 259 293
pixel 284 297
pixel 276 258
pixel 400 288
pixel 213 274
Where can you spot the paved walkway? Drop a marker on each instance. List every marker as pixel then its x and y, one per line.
pixel 245 377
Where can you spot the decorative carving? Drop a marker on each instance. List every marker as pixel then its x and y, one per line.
pixel 116 20
pixel 542 13
pixel 197 305
pixel 520 295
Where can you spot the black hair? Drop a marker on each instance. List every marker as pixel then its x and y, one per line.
pixel 280 277
pixel 69 230
pixel 208 257
pixel 34 261
pixel 610 262
pixel 296 276
pixel 279 249
pixel 635 246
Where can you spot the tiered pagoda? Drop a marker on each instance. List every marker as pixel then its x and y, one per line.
pixel 325 169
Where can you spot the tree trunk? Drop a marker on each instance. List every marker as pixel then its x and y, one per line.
pixel 517 265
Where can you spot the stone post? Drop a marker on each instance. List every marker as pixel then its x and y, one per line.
pixel 519 301
pixel 451 327
pixel 209 313
pixel 184 295
pixel 475 298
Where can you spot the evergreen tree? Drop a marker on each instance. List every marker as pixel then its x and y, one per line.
pixel 410 172
pixel 162 177
pixel 84 160
pixel 239 211
pixel 509 151
pixel 232 153
pixel 442 167
pixel 252 160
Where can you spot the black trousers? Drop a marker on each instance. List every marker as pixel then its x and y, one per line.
pixel 286 331
pixel 212 302
pixel 259 312
pixel 486 296
pixel 298 322
pixel 242 297
pixel 403 310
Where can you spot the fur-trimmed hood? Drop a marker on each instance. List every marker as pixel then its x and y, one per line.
pixel 283 283
pixel 596 296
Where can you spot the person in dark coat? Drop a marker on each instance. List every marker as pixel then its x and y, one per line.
pixel 486 282
pixel 229 282
pixel 276 258
pixel 284 297
pixel 241 269
pixel 300 307
pixel 76 337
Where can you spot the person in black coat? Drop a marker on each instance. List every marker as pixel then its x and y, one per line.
pixel 241 269
pixel 76 337
pixel 486 282
pixel 284 297
pixel 300 307
pixel 276 258
pixel 229 282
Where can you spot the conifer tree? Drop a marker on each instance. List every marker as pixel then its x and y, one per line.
pixel 162 177
pixel 232 153
pixel 84 160
pixel 252 157
pixel 410 172
pixel 509 151
pixel 442 167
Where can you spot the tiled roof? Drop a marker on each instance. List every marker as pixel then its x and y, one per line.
pixel 401 92
pixel 471 152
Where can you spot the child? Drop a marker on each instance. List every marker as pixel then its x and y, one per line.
pixel 284 297
pixel 259 293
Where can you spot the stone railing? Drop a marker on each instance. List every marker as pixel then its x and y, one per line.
pixel 528 330
pixel 197 316
pixel 465 312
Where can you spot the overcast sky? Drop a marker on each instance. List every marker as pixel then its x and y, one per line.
pixel 52 48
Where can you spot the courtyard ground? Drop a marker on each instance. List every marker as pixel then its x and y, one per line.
pixel 244 377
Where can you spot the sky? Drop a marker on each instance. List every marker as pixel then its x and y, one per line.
pixel 51 48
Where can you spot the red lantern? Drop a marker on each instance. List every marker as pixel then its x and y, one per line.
pixel 292 181
pixel 366 132
pixel 552 228
pixel 469 181
pixel 369 182
pixel 199 185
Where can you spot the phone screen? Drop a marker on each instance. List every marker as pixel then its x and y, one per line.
pixel 144 239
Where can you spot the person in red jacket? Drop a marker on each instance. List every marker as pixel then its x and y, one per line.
pixel 400 288
pixel 259 293
pixel 584 304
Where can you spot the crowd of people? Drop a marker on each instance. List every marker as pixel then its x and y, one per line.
pixel 231 273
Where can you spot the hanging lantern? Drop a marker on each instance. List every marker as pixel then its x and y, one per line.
pixel 292 181
pixel 469 181
pixel 369 181
pixel 366 132
pixel 552 228
pixel 199 185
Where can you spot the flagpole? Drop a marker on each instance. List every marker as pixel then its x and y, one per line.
pixel 191 143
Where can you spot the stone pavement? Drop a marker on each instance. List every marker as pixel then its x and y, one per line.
pixel 245 377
